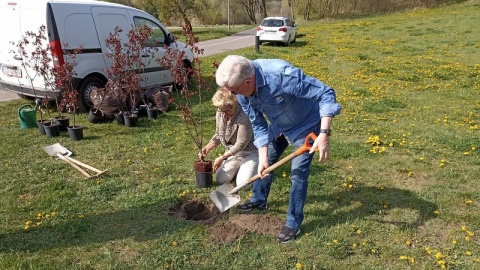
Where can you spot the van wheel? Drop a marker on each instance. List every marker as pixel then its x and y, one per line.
pixel 288 42
pixel 86 89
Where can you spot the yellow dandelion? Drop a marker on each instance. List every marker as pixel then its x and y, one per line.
pixel 373 250
pixel 439 255
pixel 128 160
pixel 298 265
pixel 335 241
pixel 411 260
pixel 28 223
pixel 421 158
pixel 359 231
pixel 470 233
pixel 454 242
pixel 408 243
pixel 403 257
pixel 174 243
pixel 466 153
pixel 474 148
pixel 469 253
pixel 26 228
pixel 464 228
pixel 436 212
pixel 468 202
pixel 381 187
pixel 81 216
pixel 354 245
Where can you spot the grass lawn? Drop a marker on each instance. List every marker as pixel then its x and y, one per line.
pixel 400 190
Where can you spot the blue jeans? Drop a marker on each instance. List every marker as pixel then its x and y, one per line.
pixel 299 173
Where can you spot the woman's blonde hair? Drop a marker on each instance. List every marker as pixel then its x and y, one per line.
pixel 224 99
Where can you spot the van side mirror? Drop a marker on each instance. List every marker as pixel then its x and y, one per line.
pixel 170 39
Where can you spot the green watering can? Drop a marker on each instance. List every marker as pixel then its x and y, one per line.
pixel 27 116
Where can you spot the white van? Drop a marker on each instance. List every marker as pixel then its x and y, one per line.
pixel 77 23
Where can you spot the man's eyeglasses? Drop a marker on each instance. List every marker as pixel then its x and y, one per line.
pixel 238 88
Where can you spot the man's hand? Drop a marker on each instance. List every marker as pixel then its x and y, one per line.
pixel 323 145
pixel 262 161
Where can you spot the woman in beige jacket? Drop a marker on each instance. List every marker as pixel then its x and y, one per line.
pixel 234 131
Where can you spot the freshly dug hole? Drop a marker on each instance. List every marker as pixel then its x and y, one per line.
pixel 230 229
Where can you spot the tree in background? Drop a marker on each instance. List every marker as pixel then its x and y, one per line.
pixel 250 11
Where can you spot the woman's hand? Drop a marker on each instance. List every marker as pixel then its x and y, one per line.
pixel 202 154
pixel 217 163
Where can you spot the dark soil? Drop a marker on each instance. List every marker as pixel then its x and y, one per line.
pixel 203 166
pixel 227 227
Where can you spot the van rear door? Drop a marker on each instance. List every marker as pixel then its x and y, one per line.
pixel 17 17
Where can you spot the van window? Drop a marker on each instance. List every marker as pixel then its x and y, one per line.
pixel 157 39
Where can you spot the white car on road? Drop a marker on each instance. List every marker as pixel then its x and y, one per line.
pixel 277 30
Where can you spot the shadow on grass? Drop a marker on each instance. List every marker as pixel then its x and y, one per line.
pixel 399 207
pixel 141 224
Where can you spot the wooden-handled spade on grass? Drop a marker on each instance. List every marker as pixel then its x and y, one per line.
pixel 60 152
pixel 226 196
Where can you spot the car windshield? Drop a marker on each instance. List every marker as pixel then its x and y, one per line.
pixel 272 23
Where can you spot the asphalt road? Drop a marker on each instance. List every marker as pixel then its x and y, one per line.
pixel 237 41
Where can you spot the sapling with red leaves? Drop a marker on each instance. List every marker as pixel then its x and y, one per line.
pixel 39 63
pixel 64 75
pixel 129 61
pixel 190 83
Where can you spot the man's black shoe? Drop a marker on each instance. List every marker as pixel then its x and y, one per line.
pixel 249 206
pixel 287 234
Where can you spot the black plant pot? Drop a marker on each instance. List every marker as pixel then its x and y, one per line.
pixel 51 130
pixel 63 122
pixel 75 132
pixel 152 113
pixel 41 128
pixel 95 116
pixel 119 118
pixel 131 120
pixel 203 179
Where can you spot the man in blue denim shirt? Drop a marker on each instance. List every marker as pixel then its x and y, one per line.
pixel 295 105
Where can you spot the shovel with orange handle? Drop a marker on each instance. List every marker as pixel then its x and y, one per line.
pixel 226 195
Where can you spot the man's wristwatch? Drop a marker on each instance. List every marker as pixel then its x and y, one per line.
pixel 326 131
pixel 224 157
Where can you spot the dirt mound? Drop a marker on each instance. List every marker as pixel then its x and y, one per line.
pixel 227 227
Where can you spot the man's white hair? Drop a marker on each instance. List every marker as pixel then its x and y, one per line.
pixel 233 70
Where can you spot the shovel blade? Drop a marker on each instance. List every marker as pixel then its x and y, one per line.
pixel 222 198
pixel 53 149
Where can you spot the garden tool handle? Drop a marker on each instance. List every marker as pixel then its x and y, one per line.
pixel 62 157
pixel 304 148
pixel 99 172
pixel 84 165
